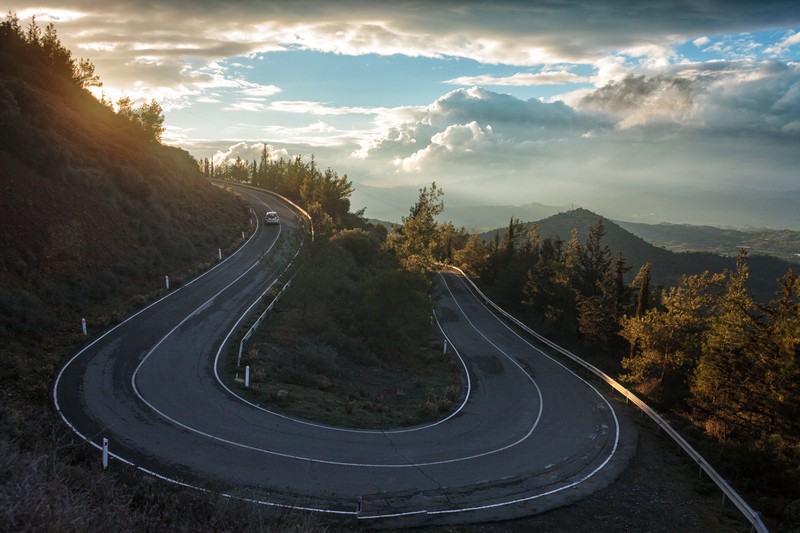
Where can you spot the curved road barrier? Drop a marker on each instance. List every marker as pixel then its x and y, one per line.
pixel 728 492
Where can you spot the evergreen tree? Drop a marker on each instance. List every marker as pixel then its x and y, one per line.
pixel 151 119
pixel 547 288
pixel 731 386
pixel 473 257
pixel 784 317
pixel 641 284
pixel 414 242
pixel 84 74
pixel 599 314
pixel 594 262
pixel 666 341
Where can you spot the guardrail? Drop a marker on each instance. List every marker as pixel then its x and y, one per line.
pixel 269 308
pixel 273 193
pixel 728 492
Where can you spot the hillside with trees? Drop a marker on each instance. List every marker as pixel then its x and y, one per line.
pixel 723 364
pixel 92 202
pixel 94 212
pixel 667 266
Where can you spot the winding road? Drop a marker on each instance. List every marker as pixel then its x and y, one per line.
pixel 530 435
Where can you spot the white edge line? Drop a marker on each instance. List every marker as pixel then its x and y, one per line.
pixel 98 339
pixel 535 496
pixel 334 428
pixel 329 511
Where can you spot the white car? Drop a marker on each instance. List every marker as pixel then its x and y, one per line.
pixel 271 218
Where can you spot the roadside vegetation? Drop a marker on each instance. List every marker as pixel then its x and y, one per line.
pixel 352 343
pixel 722 366
pixel 94 213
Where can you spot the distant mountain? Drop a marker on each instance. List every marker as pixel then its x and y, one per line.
pixel 667 266
pixel 484 218
pixel 738 208
pixel 783 244
pixel 391 204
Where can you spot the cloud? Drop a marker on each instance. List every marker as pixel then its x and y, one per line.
pixel 638 100
pixel 320 108
pixel 790 41
pixel 522 79
pixel 715 126
pixel 454 140
pixel 247 106
pixel 262 90
pixel 719 98
pixel 781 47
pixel 701 41
pixel 510 33
pixel 475 127
pixel 249 152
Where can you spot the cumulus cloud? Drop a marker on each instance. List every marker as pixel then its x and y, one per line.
pixel 512 33
pixel 465 120
pixel 248 152
pixel 701 41
pixel 719 97
pixel 454 140
pixel 710 126
pixel 638 100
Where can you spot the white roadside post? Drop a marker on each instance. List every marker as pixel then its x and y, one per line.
pixel 105 453
pixel 220 254
pixel 247 376
pixel 166 279
pixel 83 326
pixel 445 346
pixel 242 235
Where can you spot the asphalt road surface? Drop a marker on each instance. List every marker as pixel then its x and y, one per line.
pixel 530 435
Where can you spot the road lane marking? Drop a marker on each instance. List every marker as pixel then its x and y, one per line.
pixel 101 337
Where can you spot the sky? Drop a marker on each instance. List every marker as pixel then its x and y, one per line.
pixel 681 112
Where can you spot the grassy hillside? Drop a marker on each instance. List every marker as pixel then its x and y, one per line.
pixel 94 212
pixel 668 266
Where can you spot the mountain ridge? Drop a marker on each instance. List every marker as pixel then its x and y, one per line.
pixel 668 266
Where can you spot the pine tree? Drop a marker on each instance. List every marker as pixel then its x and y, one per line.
pixel 666 341
pixel 784 320
pixel 641 284
pixel 731 386
pixel 599 314
pixel 473 256
pixel 414 242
